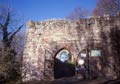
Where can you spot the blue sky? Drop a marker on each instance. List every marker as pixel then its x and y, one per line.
pixel 37 10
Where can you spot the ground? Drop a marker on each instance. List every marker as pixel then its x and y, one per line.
pixel 74 80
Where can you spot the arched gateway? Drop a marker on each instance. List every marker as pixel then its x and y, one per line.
pixel 47 41
pixel 46 38
pixel 62 64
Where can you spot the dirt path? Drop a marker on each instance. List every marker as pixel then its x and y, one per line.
pixel 72 80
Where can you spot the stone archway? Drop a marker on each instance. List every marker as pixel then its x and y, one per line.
pixel 62 67
pixel 62 53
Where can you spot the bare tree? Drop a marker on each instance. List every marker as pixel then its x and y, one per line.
pixel 18 42
pixel 6 26
pixel 110 7
pixel 78 13
pixel 8 31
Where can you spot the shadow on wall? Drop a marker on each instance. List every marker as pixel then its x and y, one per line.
pixel 115 41
pixel 63 69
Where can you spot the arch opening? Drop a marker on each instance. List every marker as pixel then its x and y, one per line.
pixel 62 65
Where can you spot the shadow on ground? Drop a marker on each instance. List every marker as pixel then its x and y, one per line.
pixel 74 80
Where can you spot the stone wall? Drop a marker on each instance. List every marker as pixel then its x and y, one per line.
pixel 44 39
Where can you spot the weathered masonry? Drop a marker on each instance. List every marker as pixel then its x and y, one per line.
pixel 47 40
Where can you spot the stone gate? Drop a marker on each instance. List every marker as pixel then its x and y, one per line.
pixel 45 38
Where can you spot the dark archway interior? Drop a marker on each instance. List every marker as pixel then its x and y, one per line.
pixel 63 69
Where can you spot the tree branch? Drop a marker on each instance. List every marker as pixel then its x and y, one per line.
pixel 1 26
pixel 11 37
pixel 9 33
pixel 7 20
